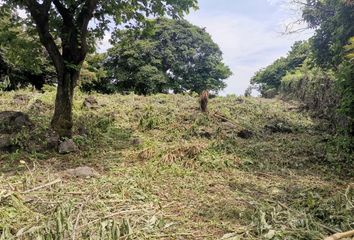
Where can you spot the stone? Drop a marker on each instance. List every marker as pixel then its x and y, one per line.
pixel 90 102
pixel 52 142
pixel 5 142
pixel 245 134
pixel 82 172
pixel 11 121
pixel 67 146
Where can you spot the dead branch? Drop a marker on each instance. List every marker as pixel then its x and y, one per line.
pixel 338 236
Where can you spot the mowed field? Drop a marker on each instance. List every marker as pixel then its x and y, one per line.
pixel 250 168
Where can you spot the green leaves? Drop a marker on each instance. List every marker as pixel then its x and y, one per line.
pixel 271 77
pixel 166 55
pixel 350 49
pixel 18 47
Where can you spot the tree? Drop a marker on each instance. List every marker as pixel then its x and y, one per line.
pixel 269 78
pixel 23 59
pixel 69 21
pixel 165 55
pixel 333 22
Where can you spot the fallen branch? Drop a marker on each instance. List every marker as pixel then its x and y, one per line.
pixel 338 236
pixel 42 186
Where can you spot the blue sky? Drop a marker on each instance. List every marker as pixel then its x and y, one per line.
pixel 249 32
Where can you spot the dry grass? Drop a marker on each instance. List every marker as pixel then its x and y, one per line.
pixel 170 172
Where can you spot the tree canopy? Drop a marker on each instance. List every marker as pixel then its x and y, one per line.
pixel 166 54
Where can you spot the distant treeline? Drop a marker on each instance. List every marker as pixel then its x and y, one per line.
pixel 319 72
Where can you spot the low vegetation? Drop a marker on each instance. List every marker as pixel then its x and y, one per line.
pixel 250 168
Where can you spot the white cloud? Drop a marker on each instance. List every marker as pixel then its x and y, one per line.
pixel 104 44
pixel 247 44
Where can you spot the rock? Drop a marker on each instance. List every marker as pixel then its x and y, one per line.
pixel 82 172
pixel 5 142
pixel 11 121
pixel 67 146
pixel 278 127
pixel 52 142
pixel 245 134
pixel 90 102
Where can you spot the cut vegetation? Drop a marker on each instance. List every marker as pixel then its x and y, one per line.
pixel 157 168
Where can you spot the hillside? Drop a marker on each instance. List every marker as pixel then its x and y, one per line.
pixel 249 169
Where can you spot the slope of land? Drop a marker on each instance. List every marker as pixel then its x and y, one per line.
pixel 249 169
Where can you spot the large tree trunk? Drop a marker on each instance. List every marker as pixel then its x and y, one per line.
pixel 68 59
pixel 62 121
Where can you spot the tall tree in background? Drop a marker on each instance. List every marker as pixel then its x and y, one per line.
pixel 69 21
pixel 165 55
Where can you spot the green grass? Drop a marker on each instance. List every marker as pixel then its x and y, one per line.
pixel 168 171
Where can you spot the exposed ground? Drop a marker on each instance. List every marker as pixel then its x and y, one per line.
pixel 168 171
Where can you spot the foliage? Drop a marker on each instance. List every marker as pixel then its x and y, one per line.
pixel 323 78
pixel 270 77
pixel 333 21
pixel 93 73
pixel 317 89
pixel 165 55
pixel 350 50
pixel 22 57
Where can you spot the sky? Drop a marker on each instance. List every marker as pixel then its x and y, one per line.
pixel 250 34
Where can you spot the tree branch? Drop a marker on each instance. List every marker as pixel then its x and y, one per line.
pixel 86 14
pixel 64 12
pixel 83 20
pixel 40 15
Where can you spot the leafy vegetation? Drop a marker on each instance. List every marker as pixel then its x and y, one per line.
pixel 23 60
pixel 268 80
pixel 165 55
pixel 168 171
